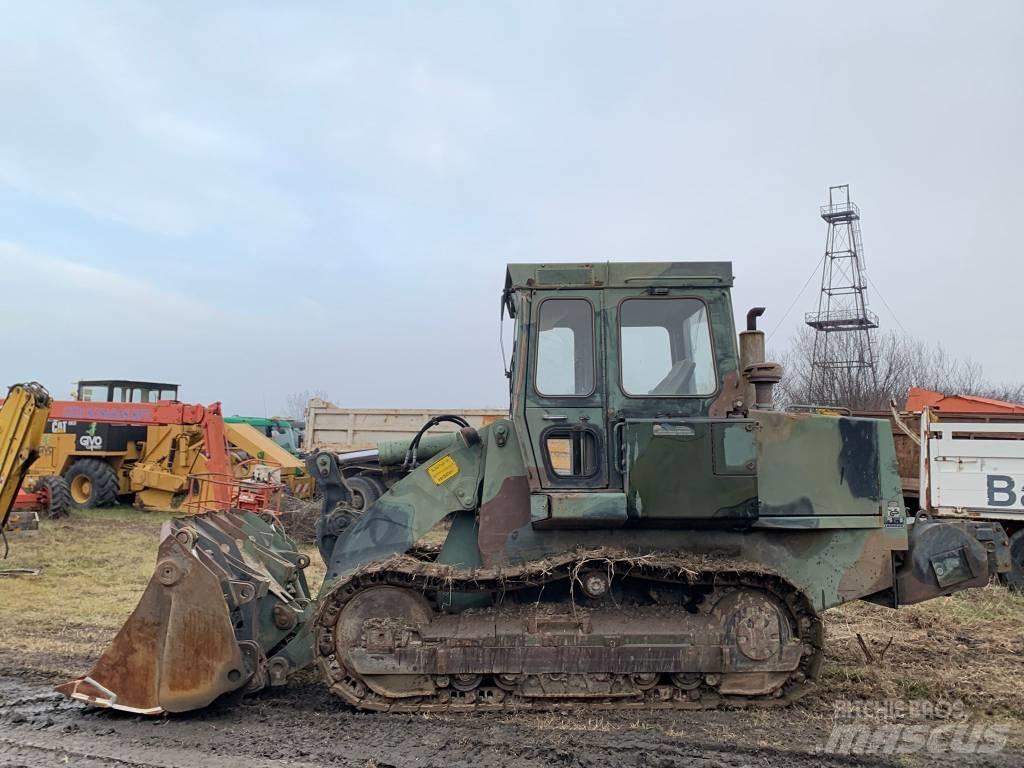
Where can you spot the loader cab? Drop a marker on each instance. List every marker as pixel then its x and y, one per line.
pixel 626 390
pixel 124 391
pixel 285 432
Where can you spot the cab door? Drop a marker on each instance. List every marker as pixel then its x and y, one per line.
pixel 672 347
pixel 566 391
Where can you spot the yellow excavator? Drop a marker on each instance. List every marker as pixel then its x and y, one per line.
pixel 23 418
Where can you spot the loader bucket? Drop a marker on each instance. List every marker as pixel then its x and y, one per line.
pixel 228 591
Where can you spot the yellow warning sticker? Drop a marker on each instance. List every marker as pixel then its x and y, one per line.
pixel 443 469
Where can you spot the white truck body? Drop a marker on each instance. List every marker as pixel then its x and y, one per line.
pixel 331 428
pixel 972 469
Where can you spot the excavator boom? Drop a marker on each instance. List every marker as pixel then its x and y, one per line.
pixel 22 422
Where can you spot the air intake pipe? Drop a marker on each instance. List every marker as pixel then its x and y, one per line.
pixel 760 376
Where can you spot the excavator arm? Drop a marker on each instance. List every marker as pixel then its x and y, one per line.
pixel 23 418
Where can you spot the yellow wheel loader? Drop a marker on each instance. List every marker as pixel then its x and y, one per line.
pixel 105 458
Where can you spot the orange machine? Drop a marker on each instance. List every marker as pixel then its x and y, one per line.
pixel 918 399
pixel 177 467
pixel 154 453
pixel 216 460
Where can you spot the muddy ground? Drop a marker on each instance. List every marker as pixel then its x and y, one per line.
pixel 302 725
pixel 967 649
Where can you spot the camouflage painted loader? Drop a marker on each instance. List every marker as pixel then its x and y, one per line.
pixel 642 531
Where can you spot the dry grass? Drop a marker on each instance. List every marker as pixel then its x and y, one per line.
pixel 298 517
pixel 316 571
pixel 968 648
pixel 94 566
pixel 554 722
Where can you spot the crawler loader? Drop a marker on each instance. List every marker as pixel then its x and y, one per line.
pixel 644 530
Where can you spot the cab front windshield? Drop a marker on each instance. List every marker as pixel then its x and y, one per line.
pixel 142 395
pixel 127 393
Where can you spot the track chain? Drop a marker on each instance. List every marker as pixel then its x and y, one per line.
pixel 429 579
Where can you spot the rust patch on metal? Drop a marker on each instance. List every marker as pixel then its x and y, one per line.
pixel 775 426
pixel 177 650
pixel 873 572
pixel 507 511
pixel 732 390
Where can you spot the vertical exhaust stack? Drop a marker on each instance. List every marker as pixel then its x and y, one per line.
pixel 761 376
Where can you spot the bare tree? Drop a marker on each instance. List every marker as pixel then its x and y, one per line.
pixel 901 363
pixel 295 403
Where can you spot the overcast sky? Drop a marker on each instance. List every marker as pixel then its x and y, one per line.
pixel 259 198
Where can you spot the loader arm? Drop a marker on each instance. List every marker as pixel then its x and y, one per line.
pixel 23 418
pixel 258 445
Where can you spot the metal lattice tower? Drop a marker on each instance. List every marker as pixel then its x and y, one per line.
pixel 843 361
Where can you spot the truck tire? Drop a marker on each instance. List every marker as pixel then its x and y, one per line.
pixel 92 482
pixel 54 496
pixel 1015 578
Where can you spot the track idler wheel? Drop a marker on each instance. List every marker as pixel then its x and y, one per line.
pixel 379 619
pixel 466 682
pixel 645 681
pixel 688 681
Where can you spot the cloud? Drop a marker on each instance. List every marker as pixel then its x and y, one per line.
pixel 443 120
pixel 94 295
pixel 65 320
pixel 190 137
pixel 334 189
pixel 104 120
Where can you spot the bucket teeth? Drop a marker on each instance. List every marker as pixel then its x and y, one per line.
pixel 203 626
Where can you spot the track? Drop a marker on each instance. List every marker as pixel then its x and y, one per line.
pixel 603 630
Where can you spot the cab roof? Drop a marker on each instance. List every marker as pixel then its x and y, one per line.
pixel 619 274
pixel 258 421
pixel 126 383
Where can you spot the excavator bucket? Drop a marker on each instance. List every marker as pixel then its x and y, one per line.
pixel 227 592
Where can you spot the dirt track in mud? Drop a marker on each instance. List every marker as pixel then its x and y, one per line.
pixel 303 725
